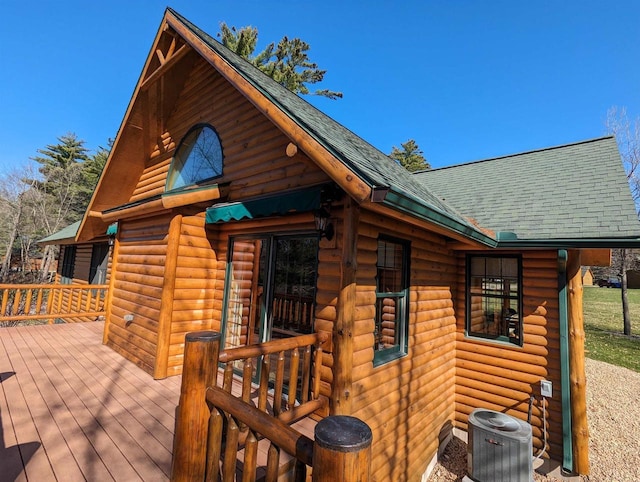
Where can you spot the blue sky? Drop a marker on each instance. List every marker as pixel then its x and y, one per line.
pixel 466 79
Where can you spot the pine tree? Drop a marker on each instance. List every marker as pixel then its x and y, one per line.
pixel 90 174
pixel 287 63
pixel 61 169
pixel 410 156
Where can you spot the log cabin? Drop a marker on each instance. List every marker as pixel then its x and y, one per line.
pixel 587 276
pixel 242 209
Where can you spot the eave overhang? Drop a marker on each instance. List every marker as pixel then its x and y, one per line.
pixel 408 204
pixel 586 243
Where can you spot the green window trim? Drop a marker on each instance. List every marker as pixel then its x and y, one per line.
pixel 494 298
pixel 391 336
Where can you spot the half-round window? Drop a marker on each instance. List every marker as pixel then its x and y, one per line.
pixel 198 158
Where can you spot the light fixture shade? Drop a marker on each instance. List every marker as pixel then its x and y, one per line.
pixel 323 224
pixel 321 218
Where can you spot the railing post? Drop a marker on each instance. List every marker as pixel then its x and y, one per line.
pixel 342 450
pixel 201 352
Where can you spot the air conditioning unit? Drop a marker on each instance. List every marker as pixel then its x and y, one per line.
pixel 499 448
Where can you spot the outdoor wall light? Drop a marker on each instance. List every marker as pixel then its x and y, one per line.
pixel 323 223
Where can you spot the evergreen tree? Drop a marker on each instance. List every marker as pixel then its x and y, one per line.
pixel 90 173
pixel 61 168
pixel 287 63
pixel 410 157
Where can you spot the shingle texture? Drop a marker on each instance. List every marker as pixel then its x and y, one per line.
pixel 370 164
pixel 577 191
pixel 570 192
pixel 68 232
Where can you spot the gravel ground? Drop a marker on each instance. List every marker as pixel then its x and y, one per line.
pixel 613 401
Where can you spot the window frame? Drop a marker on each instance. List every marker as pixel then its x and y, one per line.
pixel 68 265
pixel 401 348
pixel 500 338
pixel 99 264
pixel 266 305
pixel 173 173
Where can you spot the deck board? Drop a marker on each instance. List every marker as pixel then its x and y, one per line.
pixel 73 409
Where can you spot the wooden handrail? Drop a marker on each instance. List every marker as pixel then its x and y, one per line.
pixel 214 428
pixel 21 302
pixel 51 286
pixel 279 433
pixel 289 373
pixel 271 347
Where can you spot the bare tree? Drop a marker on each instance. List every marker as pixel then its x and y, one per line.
pixel 11 208
pixel 627 135
pixel 16 222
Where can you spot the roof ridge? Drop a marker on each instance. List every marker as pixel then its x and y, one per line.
pixel 533 151
pixel 277 102
pixel 370 164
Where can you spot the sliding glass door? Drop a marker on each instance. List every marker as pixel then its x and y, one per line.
pixel 270 288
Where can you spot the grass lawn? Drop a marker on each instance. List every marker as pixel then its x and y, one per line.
pixel 603 327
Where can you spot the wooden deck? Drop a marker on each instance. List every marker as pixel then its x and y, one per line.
pixel 72 409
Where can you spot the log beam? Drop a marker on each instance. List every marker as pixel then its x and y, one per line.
pixel 577 376
pixel 341 396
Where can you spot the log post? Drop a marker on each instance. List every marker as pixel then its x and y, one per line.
pixel 108 299
pixel 166 307
pixel 577 374
pixel 345 314
pixel 342 450
pixel 201 352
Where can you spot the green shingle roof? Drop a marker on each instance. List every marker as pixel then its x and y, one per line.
pixel 573 192
pixel 576 191
pixel 66 233
pixel 371 165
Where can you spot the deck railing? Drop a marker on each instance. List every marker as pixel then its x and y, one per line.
pixel 286 372
pixel 217 434
pixel 51 301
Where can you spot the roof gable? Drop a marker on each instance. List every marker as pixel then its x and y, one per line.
pixel 352 163
pixel 65 236
pixel 321 134
pixel 572 192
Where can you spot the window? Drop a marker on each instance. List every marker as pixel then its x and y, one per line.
pixel 198 158
pixel 99 262
pixel 392 281
pixel 494 298
pixel 68 264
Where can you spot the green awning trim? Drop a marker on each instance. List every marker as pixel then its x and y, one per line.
pixel 298 201
pixel 112 230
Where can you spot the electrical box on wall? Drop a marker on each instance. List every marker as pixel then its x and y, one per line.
pixel 546 388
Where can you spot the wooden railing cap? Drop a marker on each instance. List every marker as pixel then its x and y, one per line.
pixel 342 433
pixel 203 336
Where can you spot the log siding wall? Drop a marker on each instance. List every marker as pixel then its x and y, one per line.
pixel 409 401
pixel 137 289
pixel 255 163
pixel 198 288
pixel 502 377
pixel 254 150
